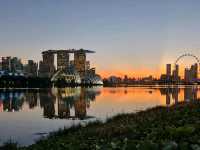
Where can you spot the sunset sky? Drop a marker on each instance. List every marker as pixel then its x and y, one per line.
pixel 133 37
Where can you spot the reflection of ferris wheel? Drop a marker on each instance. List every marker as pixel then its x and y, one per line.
pixel 187 55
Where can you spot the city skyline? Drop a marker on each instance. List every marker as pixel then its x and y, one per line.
pixel 63 60
pixel 134 31
pixel 99 74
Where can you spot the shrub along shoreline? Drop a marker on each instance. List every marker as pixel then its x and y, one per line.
pixel 175 127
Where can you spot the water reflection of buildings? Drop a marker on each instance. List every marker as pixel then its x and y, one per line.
pixel 73 103
pixel 79 99
pixel 31 98
pixel 47 100
pixel 172 94
pixel 1 106
pixel 56 103
pixel 190 94
pixel 60 103
pixel 11 101
pixel 65 103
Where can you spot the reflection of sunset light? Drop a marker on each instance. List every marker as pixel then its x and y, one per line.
pixel 118 100
pixel 130 98
pixel 129 92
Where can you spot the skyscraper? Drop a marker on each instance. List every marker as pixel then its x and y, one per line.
pixel 31 68
pixel 16 65
pixel 187 75
pixel 12 64
pixel 176 73
pixel 80 62
pixel 47 67
pixel 191 74
pixel 168 71
pixel 6 63
pixel 194 71
pixel 87 65
pixel 62 60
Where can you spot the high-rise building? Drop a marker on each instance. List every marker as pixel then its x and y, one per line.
pixel 187 75
pixel 194 71
pixel 62 60
pixel 12 64
pixel 31 69
pixel 43 70
pixel 78 65
pixel 191 74
pixel 175 73
pixel 168 70
pixel 87 65
pixel 80 62
pixel 48 60
pixel 47 67
pixel 71 64
pixel 16 65
pixel 6 63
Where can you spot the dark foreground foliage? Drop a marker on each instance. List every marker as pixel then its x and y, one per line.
pixel 176 127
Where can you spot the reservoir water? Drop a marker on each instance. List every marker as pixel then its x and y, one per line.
pixel 28 114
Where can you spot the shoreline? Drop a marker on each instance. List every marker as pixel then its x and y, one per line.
pixel 91 86
pixel 160 127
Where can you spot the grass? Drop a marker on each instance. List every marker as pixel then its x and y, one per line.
pixel 176 127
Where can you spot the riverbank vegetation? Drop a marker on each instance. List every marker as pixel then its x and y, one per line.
pixel 175 127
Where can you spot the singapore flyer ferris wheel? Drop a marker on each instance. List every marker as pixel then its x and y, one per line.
pixel 188 55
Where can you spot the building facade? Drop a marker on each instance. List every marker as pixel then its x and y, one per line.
pixel 168 71
pixel 6 63
pixel 191 74
pixel 62 60
pixel 31 69
pixel 80 62
pixel 46 66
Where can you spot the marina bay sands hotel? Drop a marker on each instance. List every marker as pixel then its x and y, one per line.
pixel 77 69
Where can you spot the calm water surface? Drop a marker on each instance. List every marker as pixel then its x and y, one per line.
pixel 26 115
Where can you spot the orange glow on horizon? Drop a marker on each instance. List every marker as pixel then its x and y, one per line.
pixel 131 74
pixel 139 73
